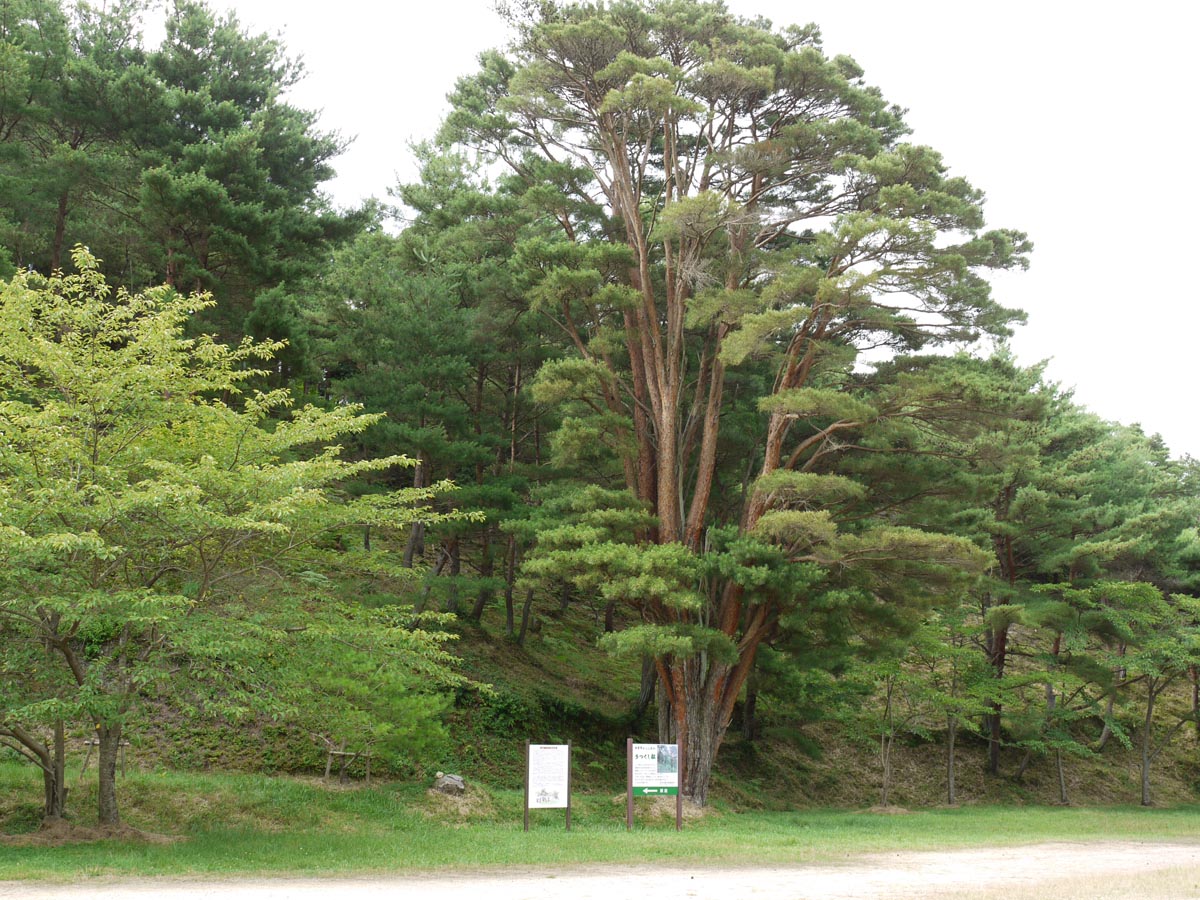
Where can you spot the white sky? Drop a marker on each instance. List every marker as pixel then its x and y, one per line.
pixel 1075 118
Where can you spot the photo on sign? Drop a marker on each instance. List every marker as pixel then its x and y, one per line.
pixel 668 758
pixel 654 769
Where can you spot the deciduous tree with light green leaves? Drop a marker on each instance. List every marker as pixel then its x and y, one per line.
pixel 159 521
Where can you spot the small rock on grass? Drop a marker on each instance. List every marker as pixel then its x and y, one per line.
pixel 450 784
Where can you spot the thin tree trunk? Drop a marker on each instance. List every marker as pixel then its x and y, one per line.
pixel 487 568
pixel 1024 766
pixel 60 230
pixel 998 648
pixel 487 563
pixel 1051 705
pixel 706 466
pixel 415 547
pixel 525 616
pixel 951 735
pixel 885 743
pixel 1062 779
pixel 646 692
pixel 994 738
pixel 1106 731
pixel 1194 674
pixel 455 570
pixel 750 706
pixel 670 514
pixel 423 599
pixel 1147 757
pixel 510 575
pixel 108 751
pixel 997 638
pixel 58 808
pixel 511 395
pixel 750 710
pixel 51 760
pixel 886 757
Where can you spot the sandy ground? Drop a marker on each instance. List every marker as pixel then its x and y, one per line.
pixel 1051 870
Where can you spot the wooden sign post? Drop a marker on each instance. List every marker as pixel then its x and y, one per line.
pixel 653 770
pixel 547 778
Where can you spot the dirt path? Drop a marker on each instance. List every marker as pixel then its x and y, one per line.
pixel 1128 869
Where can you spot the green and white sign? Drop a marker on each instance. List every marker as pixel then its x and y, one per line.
pixel 655 770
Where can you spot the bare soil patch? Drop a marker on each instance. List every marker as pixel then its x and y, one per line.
pixel 459 810
pixel 657 809
pixel 60 832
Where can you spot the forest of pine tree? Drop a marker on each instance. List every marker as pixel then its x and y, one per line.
pixel 676 328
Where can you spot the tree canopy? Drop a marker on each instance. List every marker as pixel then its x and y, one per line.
pixel 727 196
pixel 147 491
pixel 704 343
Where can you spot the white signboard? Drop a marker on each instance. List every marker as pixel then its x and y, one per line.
pixel 549 775
pixel 655 770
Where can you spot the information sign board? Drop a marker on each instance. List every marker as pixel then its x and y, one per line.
pixel 549 776
pixel 655 770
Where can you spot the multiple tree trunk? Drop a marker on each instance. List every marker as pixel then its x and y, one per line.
pixel 688 158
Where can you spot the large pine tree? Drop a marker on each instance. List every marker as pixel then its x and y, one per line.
pixel 725 192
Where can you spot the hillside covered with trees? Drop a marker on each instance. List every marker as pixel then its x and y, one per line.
pixel 679 361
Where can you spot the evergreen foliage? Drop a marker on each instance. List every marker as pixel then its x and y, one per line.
pixel 691 327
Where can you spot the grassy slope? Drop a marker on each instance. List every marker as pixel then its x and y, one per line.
pixel 561 687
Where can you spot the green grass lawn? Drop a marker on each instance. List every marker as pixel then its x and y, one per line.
pixel 242 824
